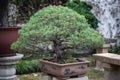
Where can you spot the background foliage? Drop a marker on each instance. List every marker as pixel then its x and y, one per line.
pixel 114 49
pixel 84 9
pixel 24 66
pixel 27 8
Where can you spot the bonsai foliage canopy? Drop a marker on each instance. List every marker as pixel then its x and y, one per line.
pixel 57 29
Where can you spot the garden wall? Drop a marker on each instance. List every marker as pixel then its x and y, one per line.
pixel 107 12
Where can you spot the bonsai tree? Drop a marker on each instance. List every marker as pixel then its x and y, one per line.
pixel 57 30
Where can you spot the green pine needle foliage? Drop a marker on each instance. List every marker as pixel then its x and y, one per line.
pixel 57 23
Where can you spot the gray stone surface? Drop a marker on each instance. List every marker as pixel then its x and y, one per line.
pixel 7 67
pixel 81 78
pixel 48 77
pixel 9 78
pixel 99 66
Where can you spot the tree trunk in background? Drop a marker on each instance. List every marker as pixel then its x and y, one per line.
pixel 4 13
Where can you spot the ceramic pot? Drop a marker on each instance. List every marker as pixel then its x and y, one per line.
pixel 64 70
pixel 7 37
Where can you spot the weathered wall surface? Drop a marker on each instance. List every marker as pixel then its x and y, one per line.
pixel 108 14
pixel 12 14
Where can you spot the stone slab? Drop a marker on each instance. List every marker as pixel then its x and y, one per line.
pixel 109 58
pixel 81 78
pixel 47 77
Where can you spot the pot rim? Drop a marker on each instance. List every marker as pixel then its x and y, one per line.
pixel 65 64
pixel 6 28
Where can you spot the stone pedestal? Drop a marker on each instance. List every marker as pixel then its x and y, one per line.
pixel 111 65
pixel 104 49
pixel 7 67
pixel 99 66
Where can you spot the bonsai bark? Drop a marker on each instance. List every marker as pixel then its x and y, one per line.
pixel 58 52
pixel 4 13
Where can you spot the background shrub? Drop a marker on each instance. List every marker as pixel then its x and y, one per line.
pixel 114 49
pixel 24 67
pixel 84 9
